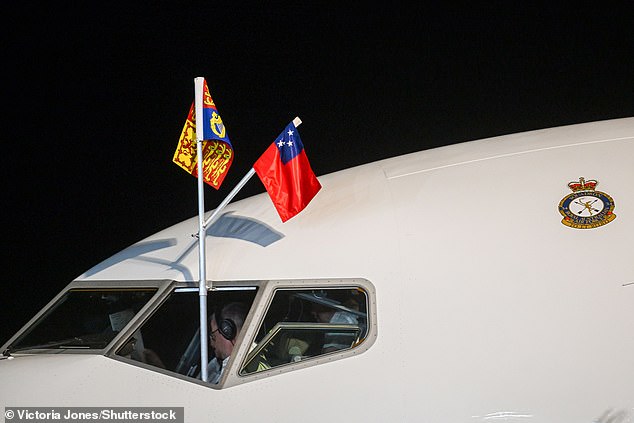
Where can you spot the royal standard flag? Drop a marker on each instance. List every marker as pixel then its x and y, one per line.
pixel 217 149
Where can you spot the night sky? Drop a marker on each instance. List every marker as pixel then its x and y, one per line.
pixel 95 100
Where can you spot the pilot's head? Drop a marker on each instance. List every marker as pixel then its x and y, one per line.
pixel 225 327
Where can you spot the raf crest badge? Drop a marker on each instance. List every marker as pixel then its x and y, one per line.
pixel 586 208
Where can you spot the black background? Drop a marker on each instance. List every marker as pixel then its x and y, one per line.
pixel 95 99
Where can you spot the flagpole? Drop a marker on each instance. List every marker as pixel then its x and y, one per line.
pixel 202 224
pixel 214 216
pixel 202 268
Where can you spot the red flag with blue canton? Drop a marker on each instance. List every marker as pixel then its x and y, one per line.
pixel 217 149
pixel 286 174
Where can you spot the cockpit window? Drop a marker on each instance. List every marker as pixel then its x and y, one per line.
pixel 302 324
pixel 170 338
pixel 84 319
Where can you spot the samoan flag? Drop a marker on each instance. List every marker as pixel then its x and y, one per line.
pixel 286 174
pixel 217 149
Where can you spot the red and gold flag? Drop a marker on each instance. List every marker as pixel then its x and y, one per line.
pixel 217 149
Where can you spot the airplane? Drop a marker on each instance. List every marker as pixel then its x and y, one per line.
pixel 489 280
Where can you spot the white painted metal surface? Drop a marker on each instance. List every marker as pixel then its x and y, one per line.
pixel 488 307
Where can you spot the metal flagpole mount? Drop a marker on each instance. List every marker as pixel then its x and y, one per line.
pixel 216 213
pixel 214 216
pixel 204 224
pixel 202 283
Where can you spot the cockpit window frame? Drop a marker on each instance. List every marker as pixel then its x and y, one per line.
pixel 233 374
pixel 159 301
pixel 266 290
pixel 161 286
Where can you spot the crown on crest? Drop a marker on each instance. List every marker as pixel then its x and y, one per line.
pixel 582 185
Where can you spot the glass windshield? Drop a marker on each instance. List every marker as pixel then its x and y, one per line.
pixel 84 319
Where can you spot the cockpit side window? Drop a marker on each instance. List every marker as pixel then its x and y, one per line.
pixel 302 324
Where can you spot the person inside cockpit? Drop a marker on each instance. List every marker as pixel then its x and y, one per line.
pixel 225 326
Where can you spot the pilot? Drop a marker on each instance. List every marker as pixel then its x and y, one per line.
pixel 225 328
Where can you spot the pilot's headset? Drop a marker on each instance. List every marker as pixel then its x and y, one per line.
pixel 226 327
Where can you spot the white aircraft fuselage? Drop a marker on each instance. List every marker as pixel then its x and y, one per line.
pixel 495 277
